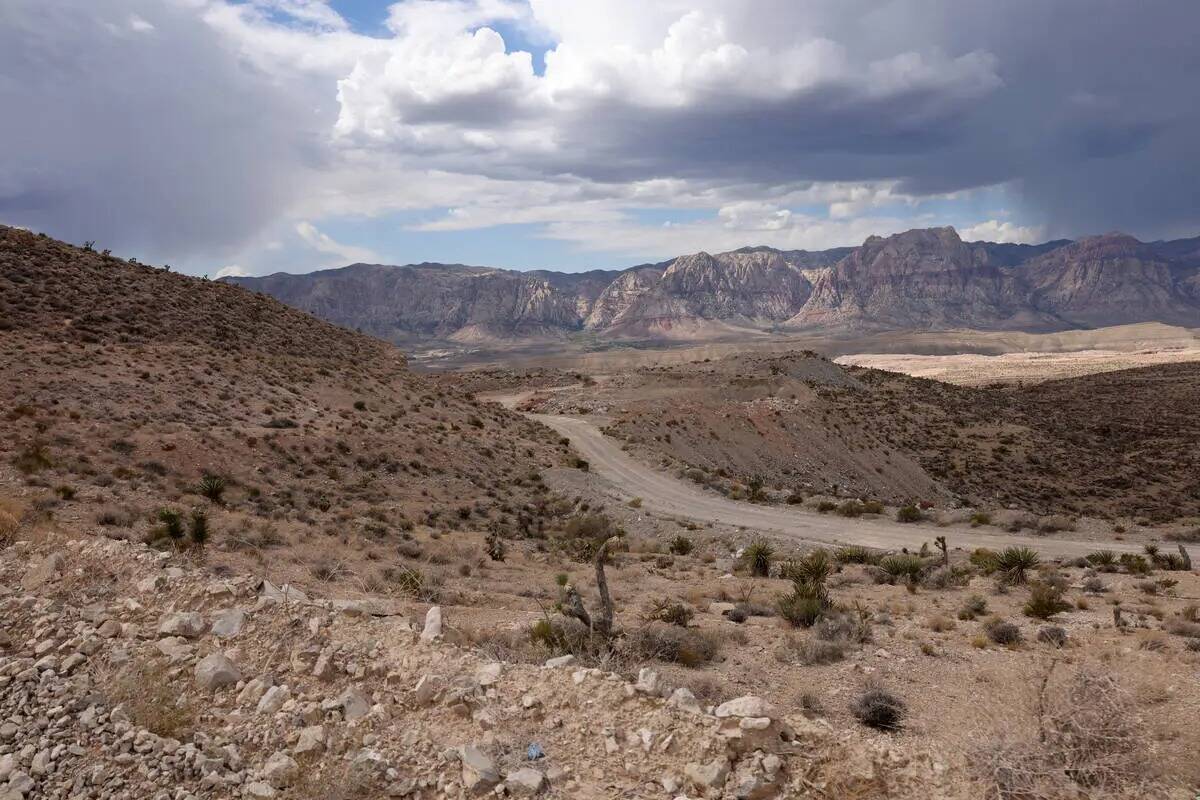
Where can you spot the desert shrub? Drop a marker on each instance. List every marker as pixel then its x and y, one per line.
pixel 909 513
pixel 825 506
pixel 1014 562
pixel 757 556
pixel 800 610
pixel 115 517
pixel 904 566
pixel 1094 585
pixel 816 652
pixel 1053 636
pixel 413 582
pixel 975 606
pixel 1192 536
pixel 984 560
pixel 1002 632
pixel 851 508
pixel 1135 564
pixel 1045 600
pixel 939 623
pixel 33 458
pixel 8 527
pixel 211 487
pixel 688 647
pixel 681 546
pixel 947 577
pixel 584 533
pixel 1088 741
pixel 880 709
pixel 855 555
pixel 981 518
pixel 1179 626
pixel 669 611
pixel 146 691
pixel 844 626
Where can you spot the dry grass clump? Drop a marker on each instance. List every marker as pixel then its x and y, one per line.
pixel 144 690
pixel 11 512
pixel 1087 741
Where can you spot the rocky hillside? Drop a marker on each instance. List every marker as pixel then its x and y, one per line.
pixel 921 279
pixel 134 396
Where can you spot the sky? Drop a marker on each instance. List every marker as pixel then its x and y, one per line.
pixel 255 136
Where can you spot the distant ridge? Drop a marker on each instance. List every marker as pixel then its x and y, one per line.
pixel 924 279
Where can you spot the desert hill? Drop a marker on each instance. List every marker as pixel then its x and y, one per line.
pixel 127 388
pixel 917 280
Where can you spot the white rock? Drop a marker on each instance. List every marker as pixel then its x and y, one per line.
pixel 216 671
pixel 747 706
pixel 684 700
pixel 525 782
pixel 253 691
pixel 710 775
pixel 647 682
pixel 561 661
pixel 273 699
pixel 433 624
pixel 489 674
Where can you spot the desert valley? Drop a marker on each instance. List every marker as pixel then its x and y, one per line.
pixel 599 400
pixel 249 553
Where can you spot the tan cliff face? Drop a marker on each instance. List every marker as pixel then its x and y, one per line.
pixel 921 279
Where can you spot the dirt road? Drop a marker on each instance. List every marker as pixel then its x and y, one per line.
pixel 664 494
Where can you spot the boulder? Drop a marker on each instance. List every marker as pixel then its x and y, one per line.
pixel 710 775
pixel 43 572
pixel 215 671
pixel 684 700
pixel 354 704
pixel 746 706
pixel 280 770
pixel 258 791
pixel 479 772
pixel 228 623
pixel 312 740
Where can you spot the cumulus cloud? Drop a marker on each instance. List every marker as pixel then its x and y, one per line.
pixel 198 128
pixel 1002 231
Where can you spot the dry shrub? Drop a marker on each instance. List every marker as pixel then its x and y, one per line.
pixel 1087 741
pixel 8 527
pixel 686 646
pixel 144 689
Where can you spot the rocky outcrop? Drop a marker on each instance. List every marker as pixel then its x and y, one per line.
pixel 1111 280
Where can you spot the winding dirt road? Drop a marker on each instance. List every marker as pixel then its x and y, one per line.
pixel 664 494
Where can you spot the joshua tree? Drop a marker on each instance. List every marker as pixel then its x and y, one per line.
pixel 572 604
pixel 940 543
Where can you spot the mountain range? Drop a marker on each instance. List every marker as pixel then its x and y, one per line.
pixel 924 279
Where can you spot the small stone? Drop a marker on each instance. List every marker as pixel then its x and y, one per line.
pixel 273 700
pixel 109 629
pixel 647 682
pixel 561 661
pixel 215 671
pixel 710 775
pixel 525 782
pixel 188 624
pixel 427 689
pixel 43 572
pixel 684 700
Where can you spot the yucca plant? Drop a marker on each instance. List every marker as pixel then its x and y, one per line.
pixel 801 610
pixel 172 523
pixel 198 531
pixel 757 558
pixel 1103 560
pixel 1014 562
pixel 814 568
pixel 903 566
pixel 212 487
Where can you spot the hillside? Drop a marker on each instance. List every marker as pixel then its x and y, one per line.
pixel 1120 445
pixel 126 385
pixel 917 280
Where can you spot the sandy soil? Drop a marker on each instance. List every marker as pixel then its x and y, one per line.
pixel 971 369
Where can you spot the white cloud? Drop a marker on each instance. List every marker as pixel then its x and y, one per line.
pixel 232 271
pixel 323 243
pixel 993 230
